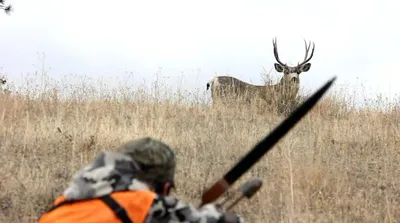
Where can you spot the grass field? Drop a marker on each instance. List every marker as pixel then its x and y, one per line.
pixel 338 164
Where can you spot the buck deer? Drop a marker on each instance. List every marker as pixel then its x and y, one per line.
pixel 224 88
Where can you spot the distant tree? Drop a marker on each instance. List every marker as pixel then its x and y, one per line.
pixel 7 8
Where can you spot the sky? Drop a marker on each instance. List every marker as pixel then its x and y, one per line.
pixel 356 40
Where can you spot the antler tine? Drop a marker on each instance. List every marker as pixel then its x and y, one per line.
pixel 276 51
pixel 307 50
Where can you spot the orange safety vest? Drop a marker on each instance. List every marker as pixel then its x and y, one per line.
pixel 124 206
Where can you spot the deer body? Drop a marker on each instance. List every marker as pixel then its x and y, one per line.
pixel 225 88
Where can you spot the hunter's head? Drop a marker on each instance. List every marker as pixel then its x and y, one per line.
pixel 156 161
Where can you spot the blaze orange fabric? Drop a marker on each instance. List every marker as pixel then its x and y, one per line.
pixel 136 204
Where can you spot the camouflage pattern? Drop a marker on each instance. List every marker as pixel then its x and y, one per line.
pixel 110 171
pixel 156 159
pixel 169 209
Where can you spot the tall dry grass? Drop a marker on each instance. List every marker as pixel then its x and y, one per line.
pixel 338 164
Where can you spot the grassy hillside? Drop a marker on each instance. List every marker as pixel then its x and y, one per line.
pixel 337 165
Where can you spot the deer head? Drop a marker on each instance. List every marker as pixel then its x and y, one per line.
pixel 291 73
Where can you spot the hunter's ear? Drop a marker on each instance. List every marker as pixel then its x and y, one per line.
pixel 168 186
pixel 278 67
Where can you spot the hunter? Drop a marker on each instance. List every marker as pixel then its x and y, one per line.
pixel 130 185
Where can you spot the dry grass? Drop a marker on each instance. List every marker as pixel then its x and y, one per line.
pixel 337 165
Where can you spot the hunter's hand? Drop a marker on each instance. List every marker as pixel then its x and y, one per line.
pixel 226 216
pixel 230 217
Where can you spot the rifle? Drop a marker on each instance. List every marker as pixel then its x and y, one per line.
pixel 262 147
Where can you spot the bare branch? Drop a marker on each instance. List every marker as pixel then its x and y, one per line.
pixel 7 8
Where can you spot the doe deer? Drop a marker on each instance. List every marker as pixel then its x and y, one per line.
pixel 225 88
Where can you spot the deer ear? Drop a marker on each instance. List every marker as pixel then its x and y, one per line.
pixel 278 67
pixel 305 67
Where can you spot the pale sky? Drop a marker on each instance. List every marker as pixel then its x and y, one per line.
pixel 357 40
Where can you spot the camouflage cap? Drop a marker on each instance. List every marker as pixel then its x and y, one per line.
pixel 155 157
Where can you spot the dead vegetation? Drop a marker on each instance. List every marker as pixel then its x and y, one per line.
pixel 338 164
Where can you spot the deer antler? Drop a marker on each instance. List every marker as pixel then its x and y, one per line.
pixel 307 50
pixel 276 52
